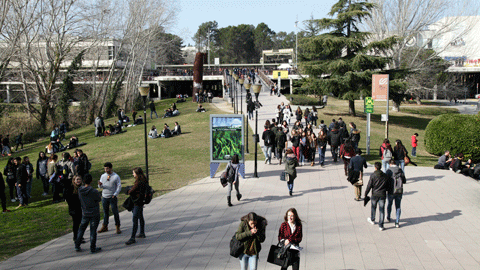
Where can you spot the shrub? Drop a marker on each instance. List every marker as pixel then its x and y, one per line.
pixel 458 133
pixel 303 100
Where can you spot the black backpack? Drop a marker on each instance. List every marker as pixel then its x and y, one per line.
pixel 230 174
pixel 398 183
pixel 148 194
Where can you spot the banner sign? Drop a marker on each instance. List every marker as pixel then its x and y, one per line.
pixel 226 137
pixel 380 84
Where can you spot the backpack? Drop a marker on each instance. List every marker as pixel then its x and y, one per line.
pixel 387 154
pixel 268 139
pixel 397 183
pixel 230 174
pixel 63 171
pixel 148 194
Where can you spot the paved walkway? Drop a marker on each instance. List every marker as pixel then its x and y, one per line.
pixel 190 228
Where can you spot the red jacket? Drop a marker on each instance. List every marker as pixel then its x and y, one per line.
pixel 286 233
pixel 414 141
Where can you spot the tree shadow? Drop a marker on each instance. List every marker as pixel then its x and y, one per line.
pixel 322 189
pixel 424 178
pixel 410 192
pixel 436 217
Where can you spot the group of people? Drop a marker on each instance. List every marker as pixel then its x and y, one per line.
pixel 455 164
pixel 251 233
pixel 166 132
pixel 204 96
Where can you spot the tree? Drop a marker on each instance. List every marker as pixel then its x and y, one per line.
pixel 67 88
pixel 417 24
pixel 168 49
pixel 263 36
pixel 236 44
pixel 206 31
pixel 344 54
pixel 284 40
pixel 310 27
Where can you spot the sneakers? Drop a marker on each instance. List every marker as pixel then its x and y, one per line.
pixel 96 250
pixel 380 228
pixel 371 221
pixel 131 241
pixel 397 225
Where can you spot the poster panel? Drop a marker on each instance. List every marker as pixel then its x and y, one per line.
pixel 226 137
pixel 380 84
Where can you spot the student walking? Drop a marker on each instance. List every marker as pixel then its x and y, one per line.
pixel 153 109
pixel 379 185
pixel 357 163
pixel 89 201
pixel 251 231
pixel 414 144
pixel 74 205
pixel 290 233
pixel 397 178
pixel 291 163
pixel 233 172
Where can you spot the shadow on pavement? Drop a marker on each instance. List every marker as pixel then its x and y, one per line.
pixel 437 217
pixel 424 178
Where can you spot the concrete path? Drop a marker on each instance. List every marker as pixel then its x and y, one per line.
pixel 190 228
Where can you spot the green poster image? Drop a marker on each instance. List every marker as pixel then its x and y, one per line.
pixel 226 137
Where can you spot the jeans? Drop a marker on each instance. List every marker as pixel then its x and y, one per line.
pixel 398 199
pixel 12 188
pixel 138 216
pixel 290 185
pixel 93 221
pixel 248 261
pixel 321 154
pixel 45 183
pixel 268 153
pixel 250 115
pixel 401 164
pixel 56 189
pixel 334 150
pixel 302 157
pixel 385 165
pixel 414 151
pixel 22 195
pixel 381 206
pixel 151 113
pixel 106 202
pixel 77 220
pixel 29 188
pixel 229 187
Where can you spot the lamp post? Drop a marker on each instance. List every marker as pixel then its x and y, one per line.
pixel 241 80
pixel 235 108
pixel 256 89
pixel 247 87
pixel 144 93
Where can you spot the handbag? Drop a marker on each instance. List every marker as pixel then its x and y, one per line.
pixel 236 247
pixel 283 176
pixel 406 160
pixel 223 179
pixel 285 257
pixel 128 204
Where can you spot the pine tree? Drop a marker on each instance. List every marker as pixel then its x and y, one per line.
pixel 342 60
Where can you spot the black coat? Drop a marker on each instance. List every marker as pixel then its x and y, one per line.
pixel 379 184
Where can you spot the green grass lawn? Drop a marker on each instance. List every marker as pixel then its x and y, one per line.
pixel 175 162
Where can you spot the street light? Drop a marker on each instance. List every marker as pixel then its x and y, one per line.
pixel 235 109
pixel 144 90
pixel 256 89
pixel 241 80
pixel 247 87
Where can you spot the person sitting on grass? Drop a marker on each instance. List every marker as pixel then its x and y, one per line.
pixel 168 113
pixel 177 130
pixel 200 108
pixel 166 133
pixel 153 133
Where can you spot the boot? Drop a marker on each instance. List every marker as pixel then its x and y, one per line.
pixel 103 229
pixel 229 201
pixel 239 196
pixel 118 229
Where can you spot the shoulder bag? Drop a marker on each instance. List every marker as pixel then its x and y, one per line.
pixel 236 247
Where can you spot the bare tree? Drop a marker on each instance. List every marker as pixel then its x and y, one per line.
pixel 418 24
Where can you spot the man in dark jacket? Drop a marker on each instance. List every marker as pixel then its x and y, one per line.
pixel 269 141
pixel 22 179
pixel 395 191
pixel 281 142
pixel 89 199
pixel 379 185
pixel 334 139
pixel 357 163
pixel 153 109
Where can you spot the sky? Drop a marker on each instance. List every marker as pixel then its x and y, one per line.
pixel 279 15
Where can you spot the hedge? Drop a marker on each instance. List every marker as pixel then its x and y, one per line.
pixel 303 100
pixel 458 133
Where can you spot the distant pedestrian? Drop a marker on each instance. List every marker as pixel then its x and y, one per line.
pixel 137 194
pixel 291 164
pixel 386 154
pixel 42 172
pixel 89 201
pixel 233 173
pixel 290 233
pixel 111 184
pixel 396 177
pixel 153 109
pixel 99 126
pixel 251 231
pixel 379 185
pixel 268 138
pixel 74 205
pixel 357 163
pixel 21 184
pixel 414 144
pixel 10 173
pixel 18 141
